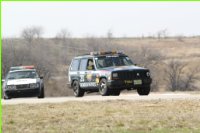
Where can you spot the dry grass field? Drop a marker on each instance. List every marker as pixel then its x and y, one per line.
pixel 156 116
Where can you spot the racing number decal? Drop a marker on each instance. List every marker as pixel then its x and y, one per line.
pixel 88 84
pixel 81 78
pixel 88 80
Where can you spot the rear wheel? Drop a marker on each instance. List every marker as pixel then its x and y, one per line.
pixel 103 89
pixel 78 92
pixel 143 91
pixel 41 93
pixel 6 97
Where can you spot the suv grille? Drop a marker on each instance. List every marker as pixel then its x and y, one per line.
pixel 22 86
pixel 135 74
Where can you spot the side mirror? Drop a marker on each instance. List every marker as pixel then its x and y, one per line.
pixel 41 77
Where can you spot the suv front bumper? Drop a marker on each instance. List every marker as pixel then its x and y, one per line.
pixel 23 92
pixel 122 84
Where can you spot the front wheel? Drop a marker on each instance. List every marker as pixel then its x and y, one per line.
pixel 41 93
pixel 78 92
pixel 143 91
pixel 103 89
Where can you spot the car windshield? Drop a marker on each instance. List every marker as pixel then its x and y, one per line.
pixel 22 75
pixel 109 61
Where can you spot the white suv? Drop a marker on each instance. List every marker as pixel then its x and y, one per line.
pixel 23 81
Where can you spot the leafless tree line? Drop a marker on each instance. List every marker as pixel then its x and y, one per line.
pixel 51 55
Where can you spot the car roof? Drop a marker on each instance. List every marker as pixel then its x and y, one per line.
pixel 84 56
pixel 100 54
pixel 92 56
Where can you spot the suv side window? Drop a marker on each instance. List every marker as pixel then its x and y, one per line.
pixel 90 64
pixel 83 64
pixel 75 64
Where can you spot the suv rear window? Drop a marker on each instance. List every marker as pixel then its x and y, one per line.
pixel 75 64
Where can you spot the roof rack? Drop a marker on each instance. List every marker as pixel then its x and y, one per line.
pixel 105 53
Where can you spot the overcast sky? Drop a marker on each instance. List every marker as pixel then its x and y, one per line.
pixel 87 18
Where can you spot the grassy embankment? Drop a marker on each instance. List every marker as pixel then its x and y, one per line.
pixel 181 116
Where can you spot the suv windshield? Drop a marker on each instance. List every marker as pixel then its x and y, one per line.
pixel 22 75
pixel 109 61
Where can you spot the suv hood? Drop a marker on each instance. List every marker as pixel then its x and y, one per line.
pixel 122 68
pixel 21 81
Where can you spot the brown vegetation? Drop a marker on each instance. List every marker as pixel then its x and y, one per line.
pixel 174 62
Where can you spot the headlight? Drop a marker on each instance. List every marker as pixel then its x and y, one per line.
pixel 34 85
pixel 109 77
pixel 115 75
pixel 11 87
pixel 148 74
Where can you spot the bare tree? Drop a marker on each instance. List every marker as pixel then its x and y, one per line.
pixel 28 35
pixel 63 37
pixel 31 33
pixel 190 78
pixel 180 76
pixel 162 33
pixel 38 31
pixel 174 73
pixel 63 34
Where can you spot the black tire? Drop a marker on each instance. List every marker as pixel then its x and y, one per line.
pixel 103 89
pixel 5 97
pixel 143 91
pixel 78 92
pixel 41 95
pixel 115 92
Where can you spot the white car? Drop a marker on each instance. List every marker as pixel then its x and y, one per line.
pixel 23 81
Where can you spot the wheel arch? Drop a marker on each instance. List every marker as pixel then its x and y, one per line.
pixel 73 81
pixel 102 77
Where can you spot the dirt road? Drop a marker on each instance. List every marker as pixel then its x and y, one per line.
pixel 133 97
